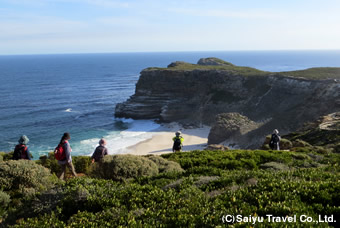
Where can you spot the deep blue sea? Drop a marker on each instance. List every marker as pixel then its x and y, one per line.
pixel 44 96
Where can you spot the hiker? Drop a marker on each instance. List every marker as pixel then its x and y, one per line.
pixel 178 142
pixel 66 154
pixel 100 151
pixel 21 150
pixel 275 140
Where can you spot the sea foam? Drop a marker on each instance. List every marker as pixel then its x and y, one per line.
pixel 119 141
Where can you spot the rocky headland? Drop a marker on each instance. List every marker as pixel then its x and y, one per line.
pixel 242 104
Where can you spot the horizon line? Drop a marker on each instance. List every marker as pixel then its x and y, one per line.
pixel 141 52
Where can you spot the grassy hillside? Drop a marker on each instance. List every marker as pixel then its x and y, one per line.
pixel 316 73
pixel 311 73
pixel 156 192
pixel 183 66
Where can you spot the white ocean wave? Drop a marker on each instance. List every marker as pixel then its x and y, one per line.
pixel 119 141
pixel 125 120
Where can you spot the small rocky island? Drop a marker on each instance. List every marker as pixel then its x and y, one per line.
pixel 242 104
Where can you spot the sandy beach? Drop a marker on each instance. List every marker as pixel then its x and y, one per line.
pixel 161 142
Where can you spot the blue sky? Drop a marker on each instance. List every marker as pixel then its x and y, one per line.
pixel 97 26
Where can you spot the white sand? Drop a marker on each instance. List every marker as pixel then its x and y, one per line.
pixel 161 142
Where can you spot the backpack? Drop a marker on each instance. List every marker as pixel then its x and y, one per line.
pixel 274 141
pixel 275 138
pixel 177 143
pixel 20 152
pixel 59 152
pixel 99 153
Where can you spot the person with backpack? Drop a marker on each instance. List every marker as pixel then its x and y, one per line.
pixel 63 154
pixel 21 150
pixel 100 151
pixel 178 142
pixel 274 142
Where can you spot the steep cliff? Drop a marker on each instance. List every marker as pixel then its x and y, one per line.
pixel 196 93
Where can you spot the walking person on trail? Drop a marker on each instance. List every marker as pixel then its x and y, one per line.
pixel 100 151
pixel 63 155
pixel 21 150
pixel 274 143
pixel 178 142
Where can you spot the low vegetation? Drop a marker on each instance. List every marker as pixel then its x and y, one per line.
pixel 175 190
pixel 236 70
pixel 319 73
pixel 316 73
pixel 122 167
pixel 23 177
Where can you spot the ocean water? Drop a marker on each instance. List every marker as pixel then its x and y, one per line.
pixel 44 96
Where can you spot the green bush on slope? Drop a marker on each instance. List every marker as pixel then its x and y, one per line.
pixel 119 167
pixel 104 203
pixel 5 199
pixel 165 165
pixel 81 163
pixel 213 184
pixel 1 156
pixel 49 162
pixel 23 177
pixel 6 156
pixel 235 159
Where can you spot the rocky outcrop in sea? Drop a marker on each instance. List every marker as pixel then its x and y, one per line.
pixel 196 93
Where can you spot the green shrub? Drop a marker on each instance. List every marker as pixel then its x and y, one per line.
pixel 204 180
pixel 107 218
pixel 5 199
pixel 41 221
pixel 321 150
pixel 120 167
pixel 197 197
pixel 274 166
pixel 49 162
pixel 24 177
pixel 81 163
pixel 195 201
pixel 7 156
pixel 301 143
pixel 160 180
pixel 165 165
pixel 233 159
pixel 285 144
pixel 265 147
pixel 302 149
pixel 1 156
pixel 300 156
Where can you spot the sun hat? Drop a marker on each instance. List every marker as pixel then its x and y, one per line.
pixel 23 140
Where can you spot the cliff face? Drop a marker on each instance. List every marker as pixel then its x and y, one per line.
pixel 195 94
